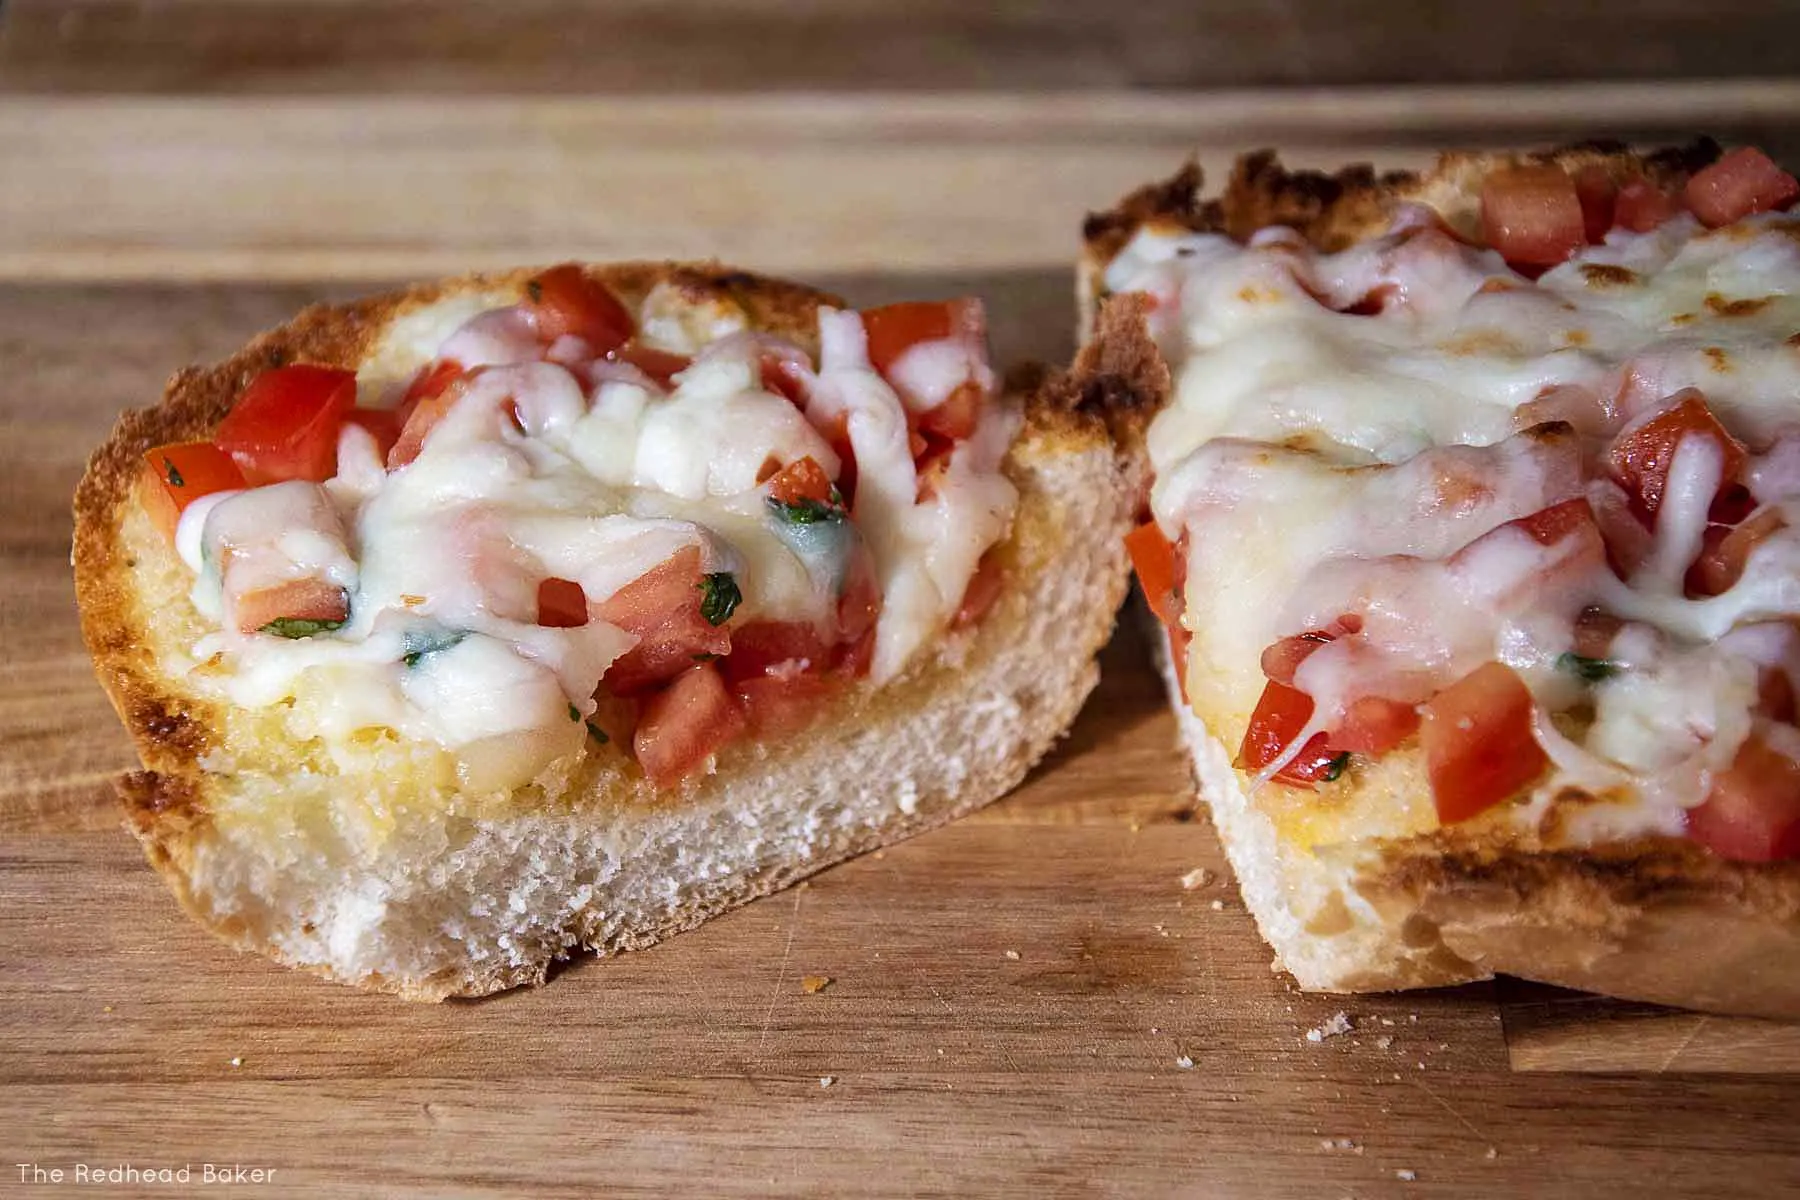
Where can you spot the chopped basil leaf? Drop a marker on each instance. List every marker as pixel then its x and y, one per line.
pixel 1591 669
pixel 706 657
pixel 599 733
pixel 299 627
pixel 535 290
pixel 574 713
pixel 421 642
pixel 1337 767
pixel 719 597
pixel 173 472
pixel 807 511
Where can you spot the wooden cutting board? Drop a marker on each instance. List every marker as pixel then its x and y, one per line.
pixel 1062 993
pixel 1034 1001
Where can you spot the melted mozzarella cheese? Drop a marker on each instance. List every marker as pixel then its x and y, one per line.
pixel 551 465
pixel 1323 462
pixel 925 551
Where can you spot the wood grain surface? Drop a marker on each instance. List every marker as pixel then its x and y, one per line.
pixel 1027 1003
pixel 954 1066
pixel 614 46
pixel 157 188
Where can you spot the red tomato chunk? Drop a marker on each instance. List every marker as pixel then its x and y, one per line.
pixel 285 425
pixel 1742 182
pixel 1532 215
pixel 687 722
pixel 565 300
pixel 561 604
pixel 1753 811
pixel 1479 747
pixel 177 475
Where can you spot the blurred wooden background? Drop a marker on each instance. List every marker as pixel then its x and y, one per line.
pixel 259 139
pixel 1014 998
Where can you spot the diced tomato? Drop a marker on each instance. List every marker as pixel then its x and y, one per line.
pixel 1153 558
pixel 1532 215
pixel 894 329
pixel 837 435
pixel 565 300
pixel 1281 660
pixel 1548 526
pixel 1598 196
pixel 957 416
pixel 780 647
pixel 1281 714
pixel 984 588
pixel 1642 206
pixel 616 717
pixel 1595 629
pixel 1775 697
pixel 296 600
pixel 1742 182
pixel 177 475
pixel 1479 747
pixel 685 724
pixel 1374 725
pixel 777 705
pixel 1568 530
pixel 382 424
pixel 285 425
pixel 561 604
pixel 1161 571
pixel 662 607
pixel 778 377
pixel 432 380
pixel 419 423
pixel 659 365
pixel 859 607
pixel 803 479
pixel 1753 811
pixel 1640 459
pixel 1721 562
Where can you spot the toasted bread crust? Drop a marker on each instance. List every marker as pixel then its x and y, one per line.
pixel 169 805
pixel 1658 919
pixel 1333 209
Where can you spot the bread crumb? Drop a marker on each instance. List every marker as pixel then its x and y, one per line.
pixel 1013 954
pixel 1406 1176
pixel 1388 1022
pixel 1199 877
pixel 826 1081
pixel 1412 1018
pixel 1161 929
pixel 1184 1062
pixel 1491 1154
pixel 879 854
pixel 814 984
pixel 106 1008
pixel 1384 1042
pixel 1340 1143
pixel 1218 906
pixel 237 1061
pixel 1336 1025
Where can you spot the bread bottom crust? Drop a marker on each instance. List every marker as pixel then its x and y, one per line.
pixel 1661 921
